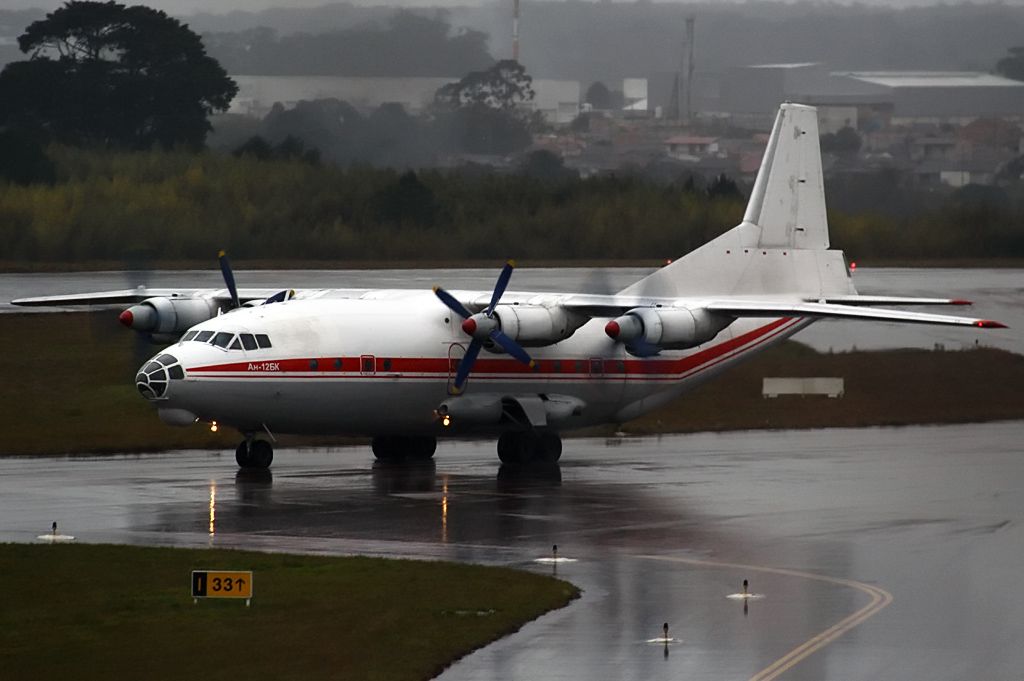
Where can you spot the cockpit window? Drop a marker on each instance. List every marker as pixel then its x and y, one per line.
pixel 263 340
pixel 248 341
pixel 222 339
pixel 189 336
pixel 237 345
pixel 204 336
pixel 166 360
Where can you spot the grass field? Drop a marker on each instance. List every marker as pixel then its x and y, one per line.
pixel 116 612
pixel 67 386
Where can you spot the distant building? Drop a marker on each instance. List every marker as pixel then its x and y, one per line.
pixel 869 99
pixel 690 147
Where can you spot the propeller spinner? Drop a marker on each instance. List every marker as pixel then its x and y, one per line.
pixel 483 326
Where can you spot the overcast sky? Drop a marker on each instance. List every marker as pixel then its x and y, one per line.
pixel 185 7
pixel 220 6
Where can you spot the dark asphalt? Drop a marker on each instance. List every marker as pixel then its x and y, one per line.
pixel 826 525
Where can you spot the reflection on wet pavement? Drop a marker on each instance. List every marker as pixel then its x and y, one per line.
pixel 824 525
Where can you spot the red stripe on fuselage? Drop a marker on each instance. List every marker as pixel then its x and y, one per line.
pixel 552 369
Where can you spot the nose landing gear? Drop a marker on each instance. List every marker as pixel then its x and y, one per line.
pixel 529 446
pixel 394 448
pixel 254 454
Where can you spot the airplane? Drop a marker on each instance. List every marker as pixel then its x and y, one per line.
pixel 407 368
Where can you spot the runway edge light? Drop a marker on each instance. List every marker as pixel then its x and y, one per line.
pixel 222 584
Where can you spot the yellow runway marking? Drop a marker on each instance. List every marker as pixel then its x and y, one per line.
pixel 879 599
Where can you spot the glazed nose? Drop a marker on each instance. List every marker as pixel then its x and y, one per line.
pixel 155 375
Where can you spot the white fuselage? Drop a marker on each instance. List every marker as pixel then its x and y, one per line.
pixel 381 365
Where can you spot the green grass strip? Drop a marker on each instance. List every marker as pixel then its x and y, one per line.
pixel 120 612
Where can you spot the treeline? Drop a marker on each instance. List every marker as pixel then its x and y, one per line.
pixel 407 44
pixel 182 206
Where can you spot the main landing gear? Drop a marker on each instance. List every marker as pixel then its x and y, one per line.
pixel 529 446
pixel 396 448
pixel 254 454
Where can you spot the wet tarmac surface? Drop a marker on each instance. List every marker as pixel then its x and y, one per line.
pixel 889 553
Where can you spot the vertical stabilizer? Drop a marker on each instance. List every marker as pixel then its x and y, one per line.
pixel 788 201
pixel 782 246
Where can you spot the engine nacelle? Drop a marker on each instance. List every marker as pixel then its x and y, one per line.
pixel 669 328
pixel 168 316
pixel 472 409
pixel 536 325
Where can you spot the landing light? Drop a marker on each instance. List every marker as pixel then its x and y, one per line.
pixel 446 420
pixel 213 427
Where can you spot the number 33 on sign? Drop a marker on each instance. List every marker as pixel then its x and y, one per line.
pixel 222 584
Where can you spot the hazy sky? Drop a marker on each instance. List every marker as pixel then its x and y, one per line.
pixel 219 6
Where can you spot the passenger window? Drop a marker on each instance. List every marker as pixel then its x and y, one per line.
pixel 337 365
pixel 222 339
pixel 176 372
pixel 366 364
pixel 237 345
pixel 263 340
pixel 387 364
pixel 248 341
pixel 313 364
pixel 204 336
pixel 189 336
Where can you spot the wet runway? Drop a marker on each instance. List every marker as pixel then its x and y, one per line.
pixel 889 553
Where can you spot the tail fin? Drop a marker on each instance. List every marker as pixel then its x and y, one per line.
pixel 788 200
pixel 781 247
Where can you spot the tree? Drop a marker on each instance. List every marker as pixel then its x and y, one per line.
pixel 103 73
pixel 546 166
pixel 1012 66
pixel 504 86
pixel 23 161
pixel 598 96
pixel 846 142
pixel 482 112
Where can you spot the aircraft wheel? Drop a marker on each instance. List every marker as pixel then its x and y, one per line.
pixel 395 448
pixel 510 448
pixel 261 453
pixel 517 447
pixel 423 448
pixel 382 451
pixel 243 455
pixel 548 447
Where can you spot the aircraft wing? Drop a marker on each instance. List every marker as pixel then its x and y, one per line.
pixel 842 307
pixel 132 296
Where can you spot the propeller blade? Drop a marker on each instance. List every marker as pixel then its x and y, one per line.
pixel 454 305
pixel 229 279
pixel 511 347
pixel 500 285
pixel 466 364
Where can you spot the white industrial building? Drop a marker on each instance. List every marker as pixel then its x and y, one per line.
pixel 752 94
pixel 557 100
